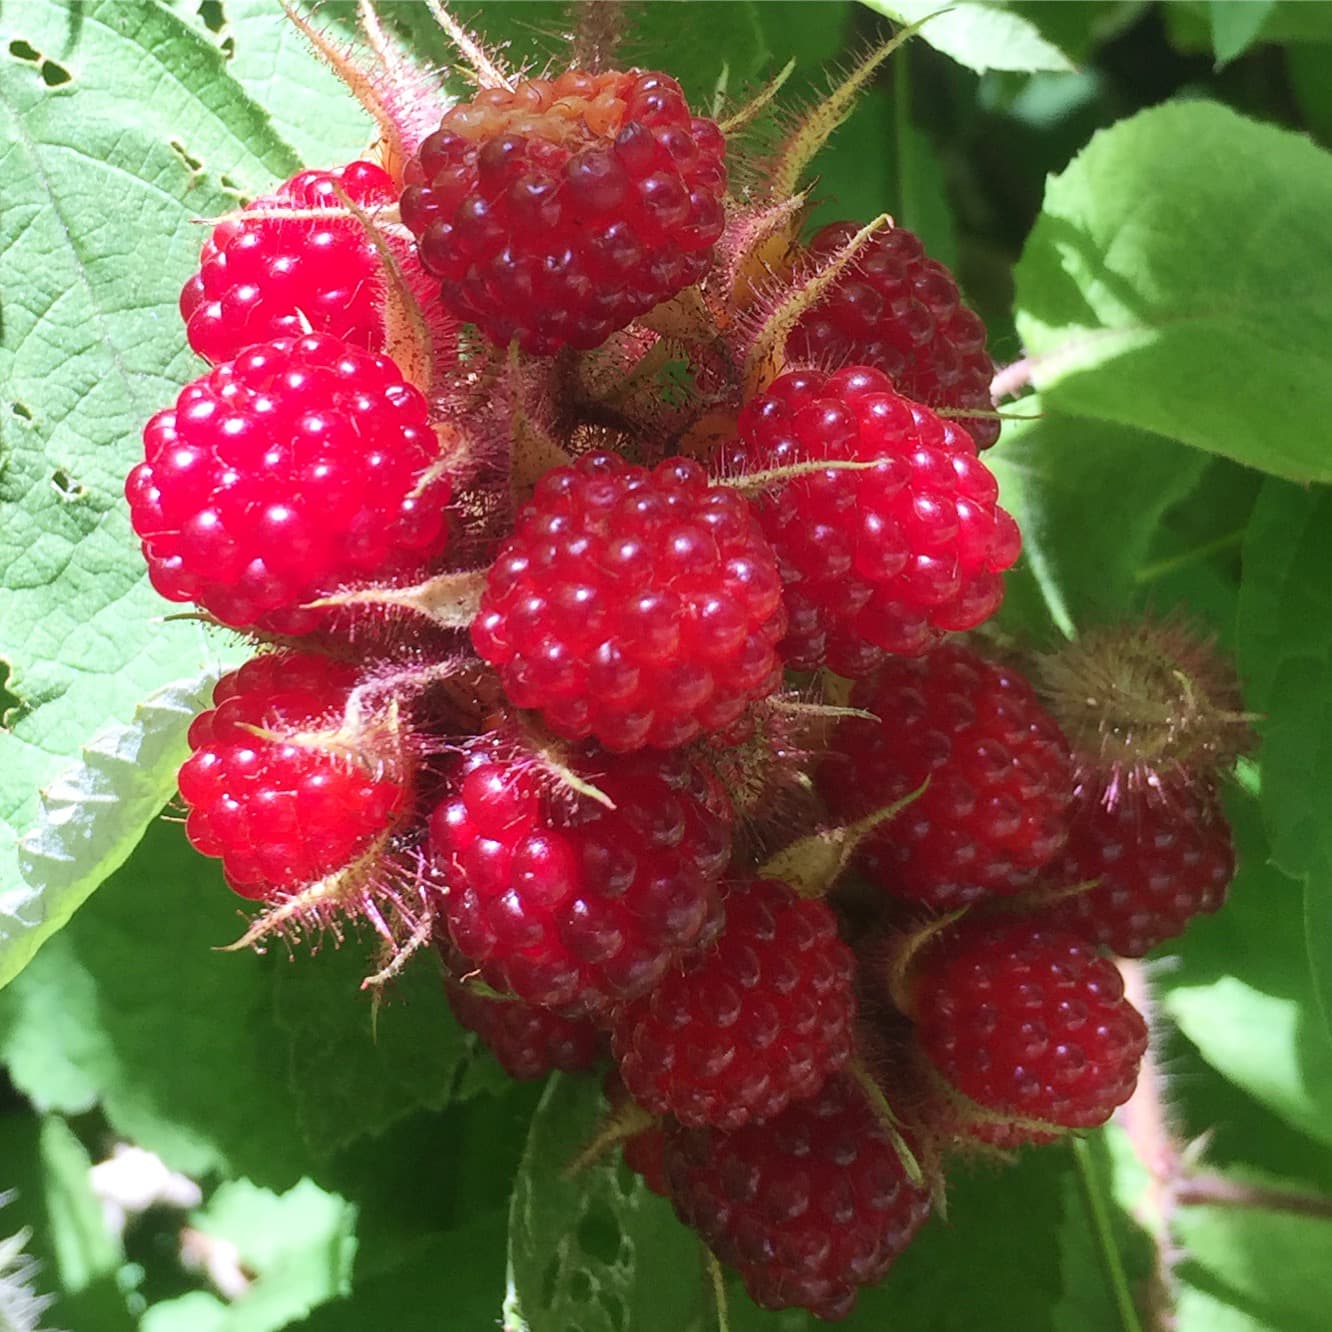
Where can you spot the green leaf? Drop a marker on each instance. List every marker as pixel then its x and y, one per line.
pixel 307 103
pixel 1240 988
pixel 351 1075
pixel 979 36
pixel 1253 1269
pixel 598 1252
pixel 118 128
pixel 1285 647
pixel 1236 25
pixel 1089 497
pixel 1179 281
pixel 92 816
pixel 298 1246
pixel 454 1280
pixel 131 1007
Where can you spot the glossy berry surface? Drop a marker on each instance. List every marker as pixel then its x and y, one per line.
pixel 999 771
pixel 639 608
pixel 301 798
pixel 279 477
pixel 559 211
pixel 529 1042
pixel 759 1020
pixel 263 277
pixel 568 904
pixel 1159 864
pixel 900 311
pixel 1028 1021
pixel 808 1207
pixel 879 560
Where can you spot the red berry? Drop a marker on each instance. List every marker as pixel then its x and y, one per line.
pixel 879 560
pixel 1159 862
pixel 808 1207
pixel 558 212
pixel 268 277
pixel 759 1020
pixel 277 785
pixel 529 1042
pixel 1028 1021
pixel 641 608
pixel 569 904
pixel 899 311
pixel 999 771
pixel 281 476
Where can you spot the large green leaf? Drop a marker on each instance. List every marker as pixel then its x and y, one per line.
pixel 598 1251
pixel 979 36
pixel 1285 645
pixel 1179 280
pixel 118 128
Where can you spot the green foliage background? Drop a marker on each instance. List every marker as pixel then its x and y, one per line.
pixel 1137 197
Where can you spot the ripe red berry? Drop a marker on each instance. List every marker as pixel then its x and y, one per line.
pixel 759 1020
pixel 900 311
pixel 279 787
pixel 272 277
pixel 1028 1021
pixel 641 608
pixel 529 1042
pixel 878 560
pixel 569 904
pixel 808 1207
pixel 1159 863
pixel 999 771
pixel 281 476
pixel 559 211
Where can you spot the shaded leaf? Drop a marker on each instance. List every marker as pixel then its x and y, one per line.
pixel 598 1252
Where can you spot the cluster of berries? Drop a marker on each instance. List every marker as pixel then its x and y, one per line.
pixel 536 461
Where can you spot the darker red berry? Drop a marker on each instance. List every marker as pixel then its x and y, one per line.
pixel 640 608
pixel 559 211
pixel 569 904
pixel 759 1020
pixel 1158 864
pixel 999 772
pixel 1028 1022
pixel 279 786
pixel 529 1042
pixel 900 311
pixel 883 559
pixel 271 277
pixel 277 478
pixel 808 1207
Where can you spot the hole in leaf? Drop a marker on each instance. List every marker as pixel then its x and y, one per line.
pixel 20 50
pixel 625 1257
pixel 55 75
pixel 228 47
pixel 210 11
pixel 21 409
pixel 194 164
pixel 66 486
pixel 10 703
pixel 599 1234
